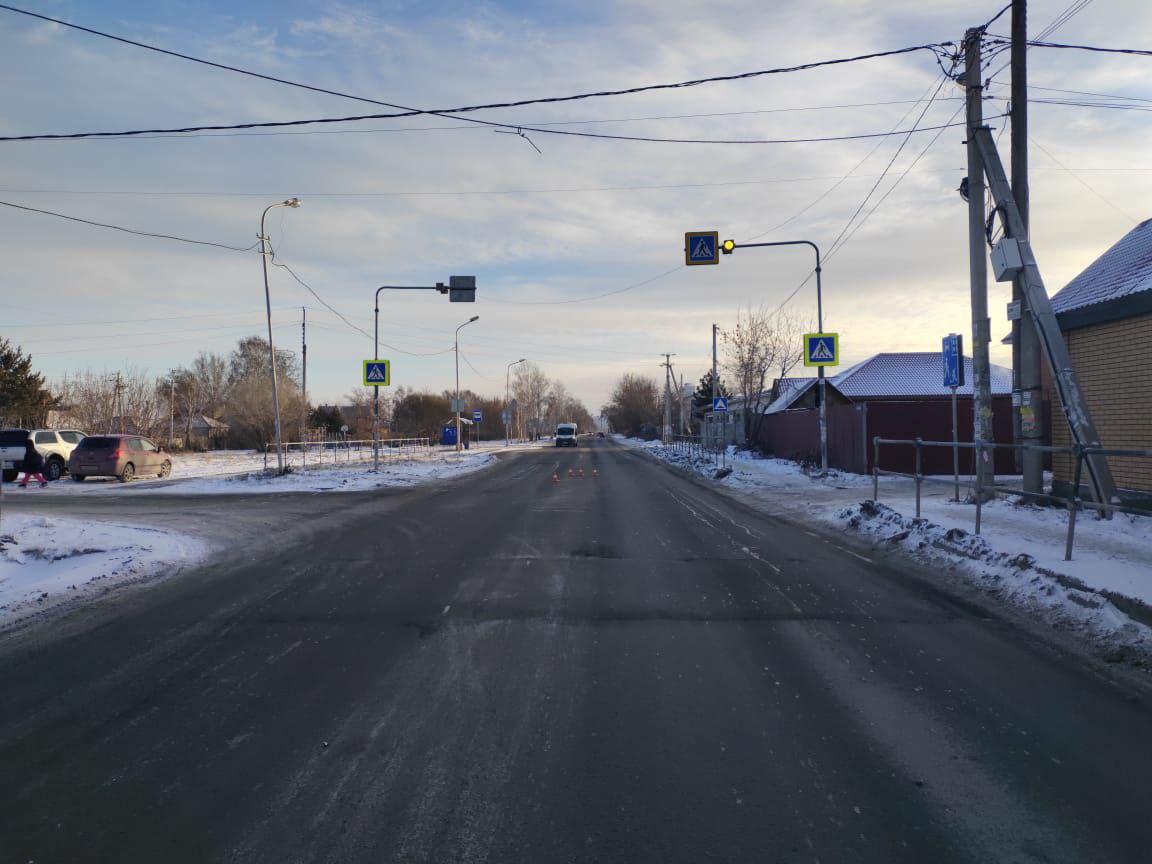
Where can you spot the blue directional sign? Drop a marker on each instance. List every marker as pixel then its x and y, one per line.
pixel 701 247
pixel 377 373
pixel 952 354
pixel 719 404
pixel 821 349
pixel 477 417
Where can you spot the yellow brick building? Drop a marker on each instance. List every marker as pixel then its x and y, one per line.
pixel 1106 316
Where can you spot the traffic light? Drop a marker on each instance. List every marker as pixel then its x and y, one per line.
pixel 727 246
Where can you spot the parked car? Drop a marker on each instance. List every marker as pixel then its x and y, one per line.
pixel 121 456
pixel 55 445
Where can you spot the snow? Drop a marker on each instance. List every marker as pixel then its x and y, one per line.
pixel 47 560
pixel 244 471
pixel 1018 556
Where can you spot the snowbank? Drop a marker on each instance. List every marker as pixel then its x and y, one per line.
pixel 357 477
pixel 45 561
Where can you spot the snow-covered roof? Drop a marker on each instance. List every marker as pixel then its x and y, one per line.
pixel 796 388
pixel 1123 270
pixel 910 373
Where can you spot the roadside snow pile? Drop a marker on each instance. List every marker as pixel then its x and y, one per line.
pixel 1063 601
pixel 344 478
pixel 45 561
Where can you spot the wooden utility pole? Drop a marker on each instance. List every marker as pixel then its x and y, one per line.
pixel 978 266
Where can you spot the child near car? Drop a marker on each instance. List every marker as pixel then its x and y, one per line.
pixel 33 465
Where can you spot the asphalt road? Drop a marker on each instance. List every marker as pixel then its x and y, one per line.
pixel 621 668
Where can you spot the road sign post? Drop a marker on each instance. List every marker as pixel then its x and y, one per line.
pixel 952 353
pixel 730 246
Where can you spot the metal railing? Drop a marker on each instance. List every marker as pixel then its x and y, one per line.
pixel 303 455
pixel 697 446
pixel 1073 501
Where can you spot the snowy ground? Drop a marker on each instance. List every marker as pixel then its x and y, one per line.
pixel 1105 592
pixel 45 561
pixel 236 471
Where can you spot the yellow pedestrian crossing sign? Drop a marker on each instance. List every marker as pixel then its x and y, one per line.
pixel 377 373
pixel 821 349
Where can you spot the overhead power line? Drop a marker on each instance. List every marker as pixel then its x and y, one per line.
pixel 411 112
pixel 1035 43
pixel 130 230
pixel 649 139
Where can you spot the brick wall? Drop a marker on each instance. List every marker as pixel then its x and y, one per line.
pixel 1114 364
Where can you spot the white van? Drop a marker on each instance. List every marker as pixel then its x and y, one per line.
pixel 566 435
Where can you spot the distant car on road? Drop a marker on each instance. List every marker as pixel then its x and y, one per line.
pixel 120 456
pixel 566 435
pixel 55 445
pixel 599 434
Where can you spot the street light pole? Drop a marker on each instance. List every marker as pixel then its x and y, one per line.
pixel 291 202
pixel 727 247
pixel 507 391
pixel 457 350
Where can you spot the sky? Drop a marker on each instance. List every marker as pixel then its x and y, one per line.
pixel 414 200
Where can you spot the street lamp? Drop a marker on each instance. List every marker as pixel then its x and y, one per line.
pixel 291 202
pixel 727 247
pixel 457 349
pixel 507 409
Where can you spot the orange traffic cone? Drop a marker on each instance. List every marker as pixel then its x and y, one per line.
pixel 581 471
pixel 594 474
pixel 555 477
pixel 569 472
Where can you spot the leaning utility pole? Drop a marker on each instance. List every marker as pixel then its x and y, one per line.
pixel 1026 381
pixel 978 266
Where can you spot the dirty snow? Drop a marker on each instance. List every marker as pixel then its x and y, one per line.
pixel 235 471
pixel 1019 555
pixel 48 560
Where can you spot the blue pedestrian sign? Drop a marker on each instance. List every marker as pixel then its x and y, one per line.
pixel 377 373
pixel 701 247
pixel 477 417
pixel 952 354
pixel 719 404
pixel 821 349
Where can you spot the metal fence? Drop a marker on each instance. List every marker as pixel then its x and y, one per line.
pixel 699 447
pixel 302 455
pixel 1073 501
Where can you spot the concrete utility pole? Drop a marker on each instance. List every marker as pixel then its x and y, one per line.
pixel 715 386
pixel 978 265
pixel 304 385
pixel 1029 419
pixel 507 403
pixel 667 430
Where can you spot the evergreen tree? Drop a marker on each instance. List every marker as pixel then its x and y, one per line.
pixel 702 398
pixel 24 400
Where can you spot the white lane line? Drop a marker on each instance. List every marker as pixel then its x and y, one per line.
pixel 855 555
pixel 446 608
pixel 810 534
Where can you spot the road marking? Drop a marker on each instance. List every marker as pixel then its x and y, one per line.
pixel 810 534
pixel 446 608
pixel 855 555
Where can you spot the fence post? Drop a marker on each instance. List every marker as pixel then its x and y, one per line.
pixel 918 477
pixel 876 468
pixel 979 485
pixel 1072 502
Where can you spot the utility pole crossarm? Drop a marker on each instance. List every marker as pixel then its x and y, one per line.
pixel 1039 307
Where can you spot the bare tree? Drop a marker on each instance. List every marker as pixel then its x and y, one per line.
pixel 113 402
pixel 530 387
pixel 762 343
pixel 634 408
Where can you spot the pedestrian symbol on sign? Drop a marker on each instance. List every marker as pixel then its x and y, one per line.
pixel 377 373
pixel 701 247
pixel 821 349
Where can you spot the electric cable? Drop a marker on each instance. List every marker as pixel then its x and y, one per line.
pixel 130 230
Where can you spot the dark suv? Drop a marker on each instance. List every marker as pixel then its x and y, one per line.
pixel 122 456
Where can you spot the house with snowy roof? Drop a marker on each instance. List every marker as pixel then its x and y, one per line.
pixel 891 395
pixel 1105 314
